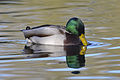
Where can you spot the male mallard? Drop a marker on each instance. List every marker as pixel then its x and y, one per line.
pixel 72 34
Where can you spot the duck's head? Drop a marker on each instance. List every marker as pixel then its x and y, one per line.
pixel 75 26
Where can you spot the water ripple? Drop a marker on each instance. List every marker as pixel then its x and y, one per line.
pixel 7 69
pixel 114 60
pixel 112 38
pixel 6 22
pixel 112 71
pixel 10 12
pixel 95 54
pixel 118 47
pixel 12 2
pixel 3 26
pixel 11 56
pixel 94 44
pixel 10 75
pixel 35 59
pixel 90 77
pixel 66 69
pixel 7 75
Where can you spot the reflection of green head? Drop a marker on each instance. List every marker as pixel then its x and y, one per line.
pixel 75 26
pixel 75 61
pixel 74 58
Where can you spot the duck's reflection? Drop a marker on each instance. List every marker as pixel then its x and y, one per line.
pixel 44 51
pixel 75 55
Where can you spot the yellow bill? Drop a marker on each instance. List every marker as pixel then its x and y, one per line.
pixel 83 40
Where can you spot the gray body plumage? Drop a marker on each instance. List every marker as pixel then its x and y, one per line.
pixel 50 35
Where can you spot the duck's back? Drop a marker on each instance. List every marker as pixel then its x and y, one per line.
pixel 43 31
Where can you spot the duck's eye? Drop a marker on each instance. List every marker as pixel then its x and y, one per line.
pixel 76 26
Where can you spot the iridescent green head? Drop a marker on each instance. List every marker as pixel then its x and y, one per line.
pixel 75 26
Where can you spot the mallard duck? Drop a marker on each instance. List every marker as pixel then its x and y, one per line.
pixel 71 34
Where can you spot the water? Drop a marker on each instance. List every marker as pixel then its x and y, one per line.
pixel 19 61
